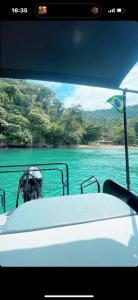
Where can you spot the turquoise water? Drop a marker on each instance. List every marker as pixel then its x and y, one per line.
pixel 83 163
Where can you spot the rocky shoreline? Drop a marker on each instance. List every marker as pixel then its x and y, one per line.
pixel 83 146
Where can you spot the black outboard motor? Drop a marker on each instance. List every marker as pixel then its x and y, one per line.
pixel 30 184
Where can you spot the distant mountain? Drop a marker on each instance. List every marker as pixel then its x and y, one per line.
pixel 111 115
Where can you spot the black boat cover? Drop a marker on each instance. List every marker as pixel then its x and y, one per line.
pixel 96 53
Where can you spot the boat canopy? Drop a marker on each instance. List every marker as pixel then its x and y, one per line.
pixel 96 53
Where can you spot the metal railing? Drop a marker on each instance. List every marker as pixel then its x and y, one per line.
pixel 134 190
pixel 3 204
pixel 86 183
pixel 64 175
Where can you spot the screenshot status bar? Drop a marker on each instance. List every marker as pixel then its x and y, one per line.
pixel 82 11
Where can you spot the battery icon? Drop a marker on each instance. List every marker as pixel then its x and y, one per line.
pixel 121 10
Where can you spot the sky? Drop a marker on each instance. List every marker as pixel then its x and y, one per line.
pixel 93 98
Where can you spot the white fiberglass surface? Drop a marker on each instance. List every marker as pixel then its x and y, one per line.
pixel 111 242
pixel 65 210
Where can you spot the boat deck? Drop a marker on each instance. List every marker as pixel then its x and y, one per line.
pixel 64 211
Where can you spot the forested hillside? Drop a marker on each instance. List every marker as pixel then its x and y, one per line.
pixel 112 115
pixel 32 116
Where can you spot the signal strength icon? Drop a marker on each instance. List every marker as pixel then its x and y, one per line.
pixel 111 11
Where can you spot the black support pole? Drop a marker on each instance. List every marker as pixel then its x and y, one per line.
pixel 126 141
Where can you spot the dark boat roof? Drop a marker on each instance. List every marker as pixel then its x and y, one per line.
pixel 97 53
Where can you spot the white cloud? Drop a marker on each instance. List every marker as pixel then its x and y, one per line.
pixel 49 84
pixel 91 98
pixel 94 98
pixel 131 80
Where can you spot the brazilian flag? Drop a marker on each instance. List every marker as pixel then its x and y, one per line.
pixel 117 102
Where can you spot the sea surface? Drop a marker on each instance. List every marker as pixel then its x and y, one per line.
pixel 82 163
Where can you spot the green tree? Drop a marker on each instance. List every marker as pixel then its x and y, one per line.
pixel 72 123
pixel 92 132
pixel 3 113
pixel 19 120
pixel 5 101
pixel 18 137
pixel 135 124
pixel 56 110
pixel 118 136
pixel 39 125
pixel 55 136
pixel 3 123
pixel 3 138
